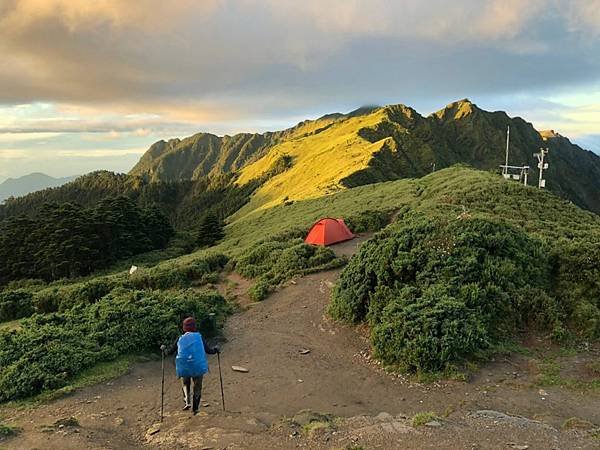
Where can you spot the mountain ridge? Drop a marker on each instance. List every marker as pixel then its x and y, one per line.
pixel 35 181
pixel 335 152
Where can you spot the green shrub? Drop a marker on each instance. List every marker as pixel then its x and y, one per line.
pixel 8 431
pixel 427 330
pixel 586 320
pixel 47 300
pixel 259 290
pixel 86 293
pixel 368 221
pixel 422 418
pixel 51 349
pixel 435 292
pixel 178 276
pixel 273 262
pixel 15 305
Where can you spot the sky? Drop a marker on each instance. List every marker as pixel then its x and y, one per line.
pixel 87 85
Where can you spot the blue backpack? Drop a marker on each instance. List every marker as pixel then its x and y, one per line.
pixel 191 358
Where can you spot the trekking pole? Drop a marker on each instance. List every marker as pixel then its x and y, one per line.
pixel 162 383
pixel 221 380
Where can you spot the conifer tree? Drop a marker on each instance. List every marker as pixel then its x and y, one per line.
pixel 210 230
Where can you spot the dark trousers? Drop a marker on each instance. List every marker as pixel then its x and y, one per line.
pixel 189 385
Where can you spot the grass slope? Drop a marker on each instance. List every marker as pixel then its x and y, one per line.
pixel 395 142
pixel 320 160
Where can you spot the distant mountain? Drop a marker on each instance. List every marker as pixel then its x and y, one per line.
pixel 16 187
pixel 373 144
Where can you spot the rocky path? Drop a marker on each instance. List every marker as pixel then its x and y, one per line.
pixel 311 384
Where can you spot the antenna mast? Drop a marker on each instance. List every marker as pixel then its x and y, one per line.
pixel 542 166
pixel 505 170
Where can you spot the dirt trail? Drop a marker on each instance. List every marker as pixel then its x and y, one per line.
pixel 336 377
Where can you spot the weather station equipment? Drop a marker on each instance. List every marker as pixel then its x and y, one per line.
pixel 517 173
pixel 541 166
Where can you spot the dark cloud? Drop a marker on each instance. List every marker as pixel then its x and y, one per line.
pixel 156 68
pixel 273 55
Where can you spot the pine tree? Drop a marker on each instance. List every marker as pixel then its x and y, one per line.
pixel 210 230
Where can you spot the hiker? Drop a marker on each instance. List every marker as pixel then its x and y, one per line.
pixel 190 362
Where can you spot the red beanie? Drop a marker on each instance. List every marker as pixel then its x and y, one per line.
pixel 189 324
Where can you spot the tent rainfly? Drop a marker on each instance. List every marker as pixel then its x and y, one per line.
pixel 328 231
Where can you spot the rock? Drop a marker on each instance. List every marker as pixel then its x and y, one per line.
pixel 514 420
pixel 306 416
pixel 542 393
pixel 433 424
pixel 304 351
pixel 119 421
pixel 66 422
pixel 384 417
pixel 153 429
pixel 239 369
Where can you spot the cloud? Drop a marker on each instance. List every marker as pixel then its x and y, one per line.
pixel 238 55
pixel 583 15
pixel 121 73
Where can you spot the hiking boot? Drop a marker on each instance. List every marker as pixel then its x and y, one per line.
pixel 196 405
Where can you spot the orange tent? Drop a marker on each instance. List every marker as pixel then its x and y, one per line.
pixel 328 231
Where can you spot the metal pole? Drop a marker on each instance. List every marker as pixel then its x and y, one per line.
pixel 505 171
pixel 543 152
pixel 162 383
pixel 221 380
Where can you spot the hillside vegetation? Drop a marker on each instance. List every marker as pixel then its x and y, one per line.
pixel 520 258
pixel 475 261
pixel 370 145
pixel 66 241
pixel 189 178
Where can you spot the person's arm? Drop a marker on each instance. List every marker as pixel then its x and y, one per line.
pixel 172 349
pixel 208 349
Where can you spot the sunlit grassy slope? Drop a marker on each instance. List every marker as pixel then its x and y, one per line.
pixel 321 158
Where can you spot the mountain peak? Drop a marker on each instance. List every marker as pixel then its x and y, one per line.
pixel 550 134
pixel 457 110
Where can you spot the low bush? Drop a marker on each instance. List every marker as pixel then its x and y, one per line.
pixel 64 297
pixel 15 305
pixel 51 349
pixel 368 221
pixel 428 330
pixel 422 418
pixel 259 290
pixel 273 262
pixel 178 276
pixel 436 291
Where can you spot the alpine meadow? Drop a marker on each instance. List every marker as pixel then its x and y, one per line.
pixel 379 278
